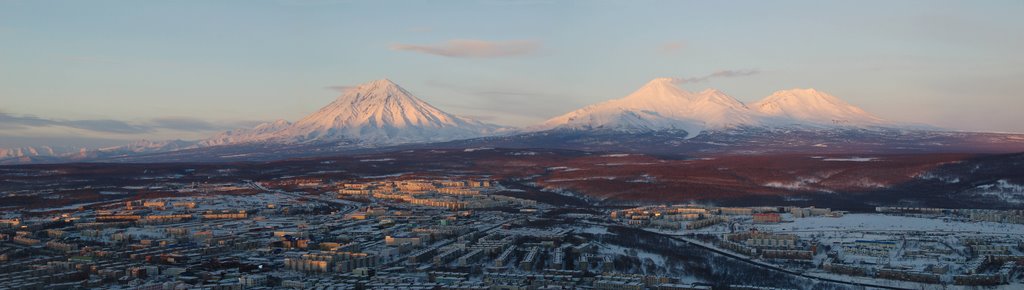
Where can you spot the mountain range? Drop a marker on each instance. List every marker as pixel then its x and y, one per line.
pixel 382 114
pixel 661 105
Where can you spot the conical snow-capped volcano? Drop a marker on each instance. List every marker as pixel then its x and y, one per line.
pixel 377 112
pixel 813 107
pixel 382 112
pixel 658 105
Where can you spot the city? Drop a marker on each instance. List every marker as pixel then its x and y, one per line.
pixel 472 232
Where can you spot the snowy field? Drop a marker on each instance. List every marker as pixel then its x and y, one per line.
pixel 878 222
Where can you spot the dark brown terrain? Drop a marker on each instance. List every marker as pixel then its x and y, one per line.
pixel 841 181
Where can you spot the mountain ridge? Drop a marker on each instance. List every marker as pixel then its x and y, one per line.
pixel 381 114
pixel 713 109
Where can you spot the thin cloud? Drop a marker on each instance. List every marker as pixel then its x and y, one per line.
pixel 310 2
pixel 9 121
pixel 511 101
pixel 717 74
pixel 108 126
pixel 421 29
pixel 91 59
pixel 519 2
pixel 97 125
pixel 341 89
pixel 673 47
pixel 182 124
pixel 189 124
pixel 471 48
pixel 12 121
pixel 57 142
pixel 482 118
pixel 231 125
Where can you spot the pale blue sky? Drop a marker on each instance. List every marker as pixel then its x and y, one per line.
pixel 186 69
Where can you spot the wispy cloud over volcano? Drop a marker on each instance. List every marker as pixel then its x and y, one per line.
pixel 96 125
pixel 717 74
pixel 471 48
pixel 10 121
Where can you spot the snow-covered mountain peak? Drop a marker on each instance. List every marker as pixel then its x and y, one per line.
pixel 381 82
pixel 802 96
pixel 144 145
pixel 382 90
pixel 375 112
pixel 810 105
pixel 659 90
pixel 279 124
pixel 659 104
pixel 378 104
pixel 719 97
pixel 709 91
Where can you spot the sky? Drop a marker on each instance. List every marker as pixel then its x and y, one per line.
pixel 102 72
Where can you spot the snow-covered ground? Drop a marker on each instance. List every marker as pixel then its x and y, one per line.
pixel 1003 190
pixel 879 222
pixel 851 159
pixel 919 243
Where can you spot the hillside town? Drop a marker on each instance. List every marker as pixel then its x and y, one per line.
pixel 467 232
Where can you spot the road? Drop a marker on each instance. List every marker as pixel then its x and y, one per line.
pixel 345 206
pixel 758 263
